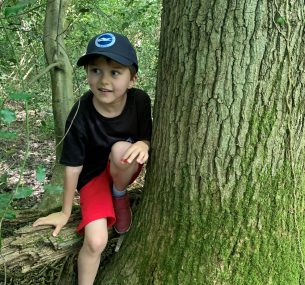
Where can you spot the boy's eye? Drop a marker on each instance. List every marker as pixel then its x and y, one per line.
pixel 95 70
pixel 115 73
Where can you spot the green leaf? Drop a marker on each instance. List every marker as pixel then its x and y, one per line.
pixel 7 135
pixel 3 179
pixel 19 96
pixel 125 25
pixel 280 20
pixel 19 7
pixel 40 173
pixel 5 199
pixel 10 214
pixel 8 116
pixel 23 192
pixel 13 10
pixel 53 189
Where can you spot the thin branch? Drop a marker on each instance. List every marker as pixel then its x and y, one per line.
pixel 47 69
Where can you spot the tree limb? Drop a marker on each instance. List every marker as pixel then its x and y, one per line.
pixel 47 69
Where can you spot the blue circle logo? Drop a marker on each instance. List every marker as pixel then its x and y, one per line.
pixel 105 40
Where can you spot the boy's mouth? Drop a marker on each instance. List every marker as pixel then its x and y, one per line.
pixel 104 90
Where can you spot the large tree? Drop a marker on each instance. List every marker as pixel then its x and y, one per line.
pixel 224 193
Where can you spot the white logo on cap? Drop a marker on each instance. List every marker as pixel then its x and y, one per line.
pixel 105 40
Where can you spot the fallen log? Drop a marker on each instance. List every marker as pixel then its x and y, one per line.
pixel 31 247
pixel 30 254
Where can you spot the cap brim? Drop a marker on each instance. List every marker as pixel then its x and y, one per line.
pixel 83 60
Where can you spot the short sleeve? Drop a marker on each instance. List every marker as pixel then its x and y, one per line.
pixel 144 117
pixel 73 152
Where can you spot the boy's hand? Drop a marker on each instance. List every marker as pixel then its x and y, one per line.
pixel 138 151
pixel 58 219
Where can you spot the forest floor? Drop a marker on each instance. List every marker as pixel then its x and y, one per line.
pixel 21 157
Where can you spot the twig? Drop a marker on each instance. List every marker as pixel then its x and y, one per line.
pixel 47 69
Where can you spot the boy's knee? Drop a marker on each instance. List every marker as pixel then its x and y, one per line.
pixel 96 244
pixel 117 152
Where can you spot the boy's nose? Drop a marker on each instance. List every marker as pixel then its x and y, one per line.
pixel 104 79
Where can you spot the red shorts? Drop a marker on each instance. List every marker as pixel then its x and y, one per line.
pixel 96 199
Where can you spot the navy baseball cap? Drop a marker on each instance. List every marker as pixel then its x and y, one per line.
pixel 112 45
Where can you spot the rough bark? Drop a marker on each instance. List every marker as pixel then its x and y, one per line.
pixel 32 256
pixel 223 200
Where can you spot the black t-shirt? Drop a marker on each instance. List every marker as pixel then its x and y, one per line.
pixel 90 136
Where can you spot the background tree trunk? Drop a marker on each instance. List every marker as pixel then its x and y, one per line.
pixel 224 193
pixel 61 80
pixel 61 74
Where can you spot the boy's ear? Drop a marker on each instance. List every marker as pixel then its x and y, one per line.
pixel 132 81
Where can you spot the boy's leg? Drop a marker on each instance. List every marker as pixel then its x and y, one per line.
pixel 122 174
pixel 96 237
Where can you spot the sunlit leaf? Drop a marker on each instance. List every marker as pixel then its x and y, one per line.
pixel 53 189
pixel 23 192
pixel 7 135
pixel 40 173
pixel 8 116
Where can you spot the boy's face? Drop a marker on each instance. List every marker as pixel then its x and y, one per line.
pixel 108 80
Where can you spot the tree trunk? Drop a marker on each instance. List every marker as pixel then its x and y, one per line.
pixel 61 74
pixel 223 200
pixel 61 81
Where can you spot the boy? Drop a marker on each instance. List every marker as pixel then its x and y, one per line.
pixel 107 141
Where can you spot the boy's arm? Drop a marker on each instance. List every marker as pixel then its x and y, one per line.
pixel 70 184
pixel 59 219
